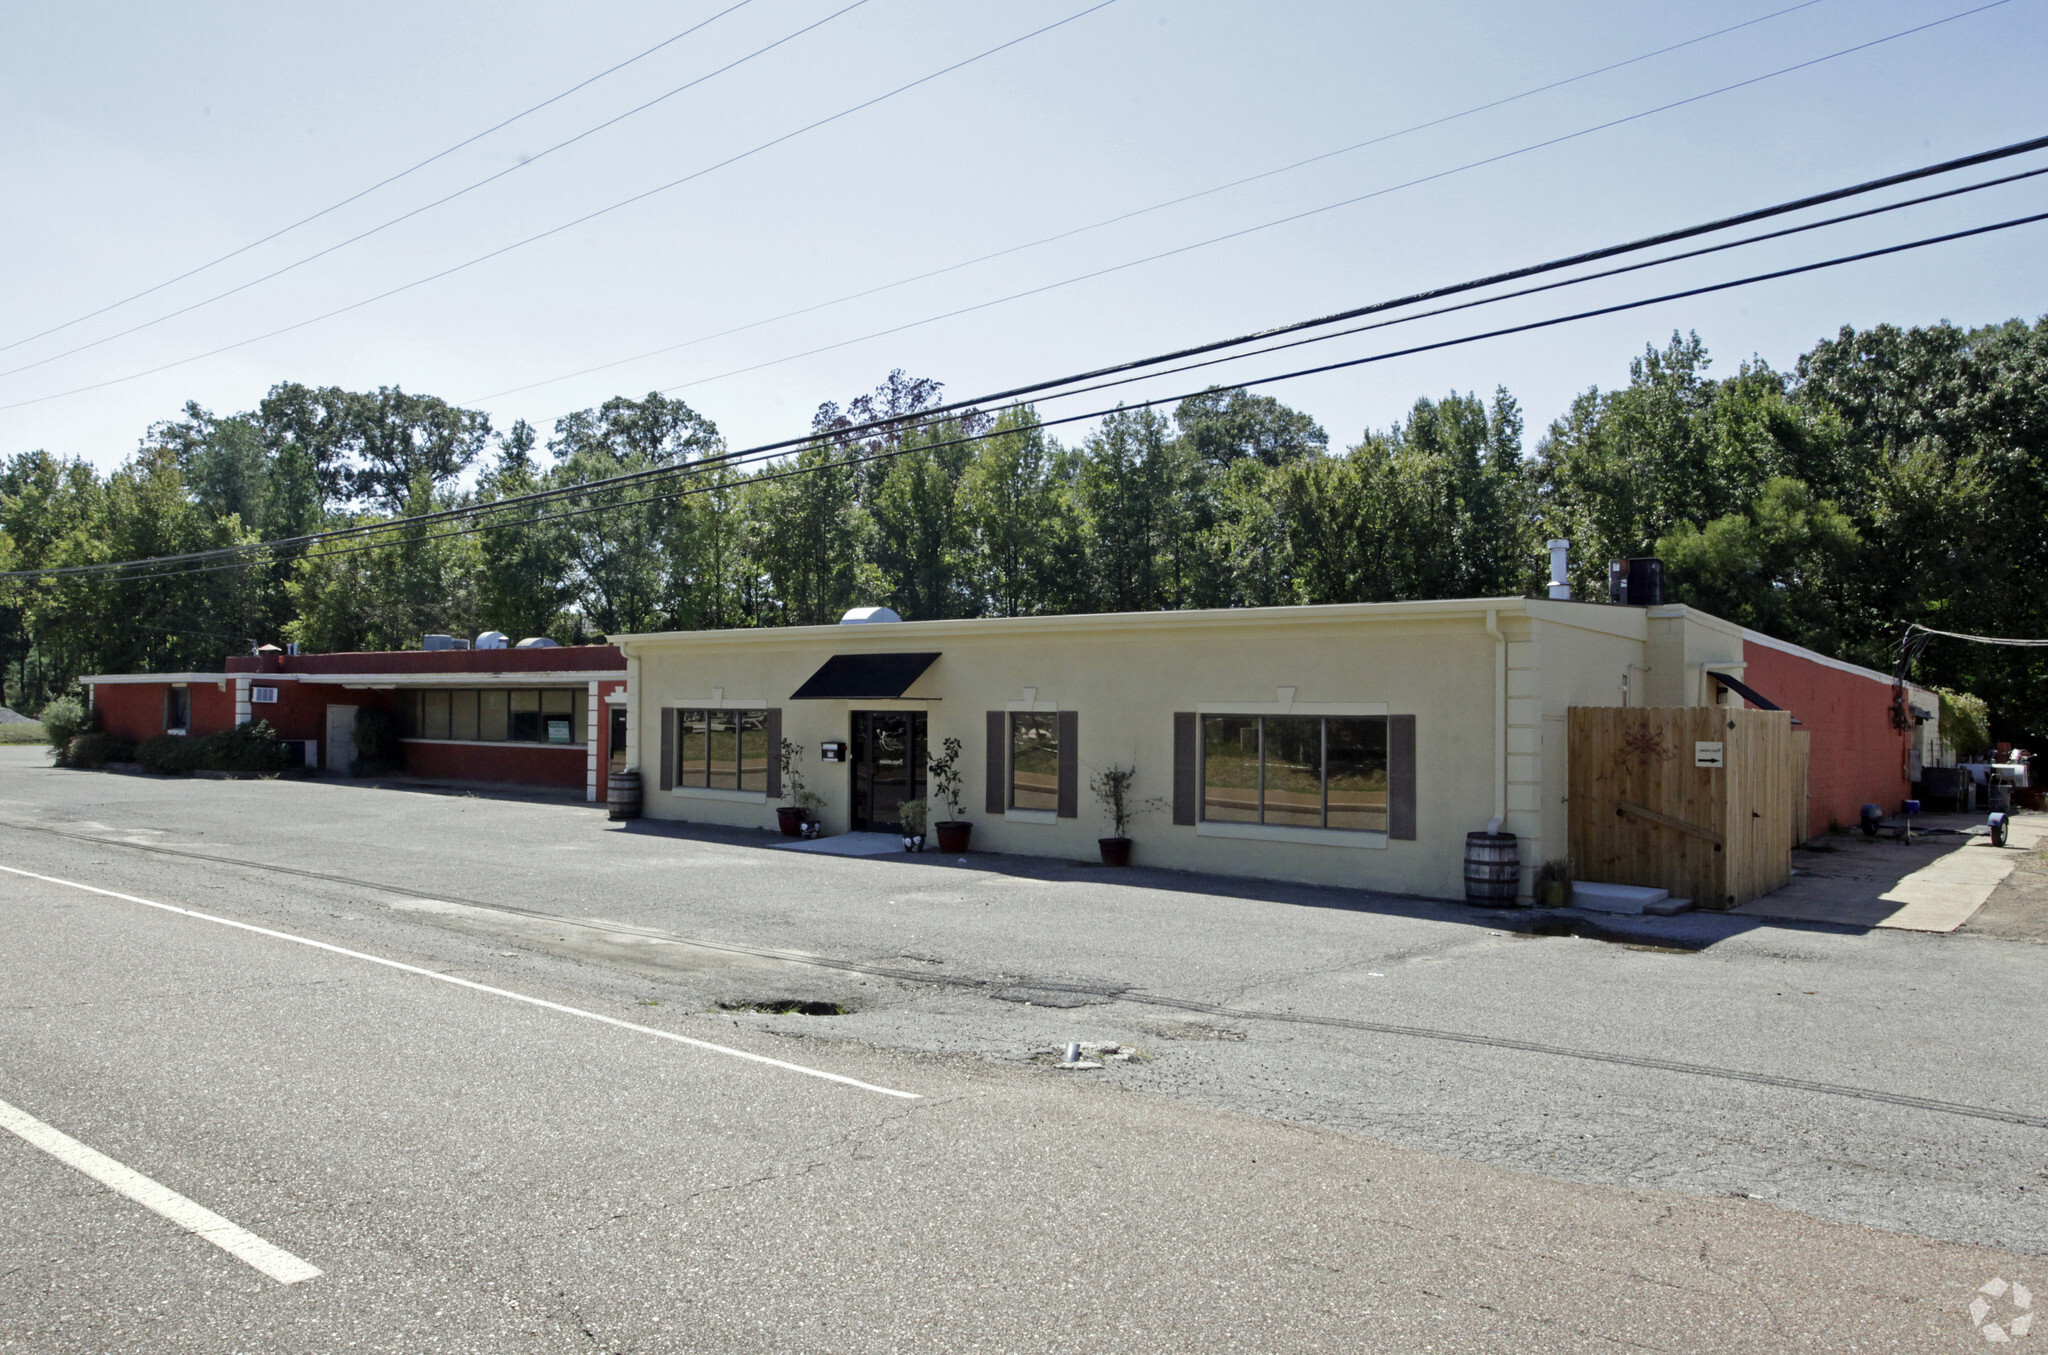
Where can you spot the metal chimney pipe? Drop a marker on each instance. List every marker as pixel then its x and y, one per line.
pixel 1560 580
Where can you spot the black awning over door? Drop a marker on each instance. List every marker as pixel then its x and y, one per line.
pixel 864 677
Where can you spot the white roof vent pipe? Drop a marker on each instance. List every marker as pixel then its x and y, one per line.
pixel 1560 578
pixel 861 616
pixel 491 639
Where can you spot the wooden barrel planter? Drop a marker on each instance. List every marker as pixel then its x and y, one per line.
pixel 622 794
pixel 1493 870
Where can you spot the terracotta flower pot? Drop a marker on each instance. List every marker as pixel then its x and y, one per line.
pixel 953 834
pixel 790 820
pixel 1116 851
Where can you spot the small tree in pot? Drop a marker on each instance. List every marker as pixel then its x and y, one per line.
pixel 1112 787
pixel 945 779
pixel 804 803
pixel 911 815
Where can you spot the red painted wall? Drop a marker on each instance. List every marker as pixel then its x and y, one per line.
pixel 136 710
pixel 1858 757
pixel 559 659
pixel 522 764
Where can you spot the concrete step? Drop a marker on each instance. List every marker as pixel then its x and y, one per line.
pixel 1605 898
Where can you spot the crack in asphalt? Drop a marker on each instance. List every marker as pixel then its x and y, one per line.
pixel 1108 992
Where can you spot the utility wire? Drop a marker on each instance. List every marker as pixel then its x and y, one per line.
pixel 437 202
pixel 381 183
pixel 1978 639
pixel 1036 425
pixel 1162 206
pixel 1313 211
pixel 581 220
pixel 1073 382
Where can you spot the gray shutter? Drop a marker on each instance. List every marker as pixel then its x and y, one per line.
pixel 668 748
pixel 1070 764
pixel 1401 777
pixel 775 752
pixel 1186 767
pixel 998 798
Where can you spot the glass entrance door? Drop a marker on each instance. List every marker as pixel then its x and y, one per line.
pixel 888 766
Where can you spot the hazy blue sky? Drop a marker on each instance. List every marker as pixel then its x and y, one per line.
pixel 139 140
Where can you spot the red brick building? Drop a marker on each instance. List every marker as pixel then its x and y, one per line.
pixel 545 716
pixel 1859 755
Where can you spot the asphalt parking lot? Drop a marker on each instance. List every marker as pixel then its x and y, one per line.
pixel 1806 1078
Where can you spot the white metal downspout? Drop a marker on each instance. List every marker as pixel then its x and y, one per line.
pixel 1500 718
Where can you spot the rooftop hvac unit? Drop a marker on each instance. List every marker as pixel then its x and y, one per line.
pixel 1636 583
pixel 491 639
pixel 536 642
pixel 443 642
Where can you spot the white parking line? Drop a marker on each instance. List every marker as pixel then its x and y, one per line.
pixel 634 1026
pixel 236 1241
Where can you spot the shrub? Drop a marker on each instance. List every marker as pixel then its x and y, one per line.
pixel 169 754
pixel 378 752
pixel 64 720
pixel 96 748
pixel 250 747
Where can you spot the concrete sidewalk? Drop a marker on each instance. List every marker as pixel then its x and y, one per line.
pixel 1933 884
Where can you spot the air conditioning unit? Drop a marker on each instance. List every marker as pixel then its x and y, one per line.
pixel 263 696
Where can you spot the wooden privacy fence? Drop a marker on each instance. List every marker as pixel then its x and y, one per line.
pixel 1704 801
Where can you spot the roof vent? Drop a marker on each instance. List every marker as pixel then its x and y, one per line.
pixel 491 639
pixel 535 642
pixel 861 616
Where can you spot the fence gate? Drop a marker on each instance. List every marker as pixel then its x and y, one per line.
pixel 1700 800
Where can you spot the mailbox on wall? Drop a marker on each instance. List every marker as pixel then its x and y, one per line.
pixel 832 750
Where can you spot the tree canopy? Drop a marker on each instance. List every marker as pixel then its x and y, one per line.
pixel 1891 475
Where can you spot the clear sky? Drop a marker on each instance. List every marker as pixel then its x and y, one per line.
pixel 140 140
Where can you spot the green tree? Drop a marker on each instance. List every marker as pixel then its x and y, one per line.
pixel 1784 565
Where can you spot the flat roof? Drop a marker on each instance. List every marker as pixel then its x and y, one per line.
pixel 1601 616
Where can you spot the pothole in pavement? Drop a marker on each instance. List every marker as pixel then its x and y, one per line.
pixel 787 1006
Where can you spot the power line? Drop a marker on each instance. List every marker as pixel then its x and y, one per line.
pixel 581 220
pixel 1170 202
pixel 437 202
pixel 1040 388
pixel 1977 639
pixel 381 183
pixel 1313 211
pixel 735 459
pixel 1072 383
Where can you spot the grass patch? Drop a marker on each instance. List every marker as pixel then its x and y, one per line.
pixel 18 734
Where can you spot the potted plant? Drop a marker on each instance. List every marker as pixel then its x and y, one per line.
pixel 804 803
pixel 945 781
pixel 911 816
pixel 1112 787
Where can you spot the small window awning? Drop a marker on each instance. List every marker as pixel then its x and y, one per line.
pixel 1746 692
pixel 864 677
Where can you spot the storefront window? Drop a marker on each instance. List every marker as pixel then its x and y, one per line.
pixel 722 749
pixel 1230 768
pixel 1296 771
pixel 495 715
pixel 1034 762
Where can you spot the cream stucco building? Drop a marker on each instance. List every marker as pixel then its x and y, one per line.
pixel 1345 745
